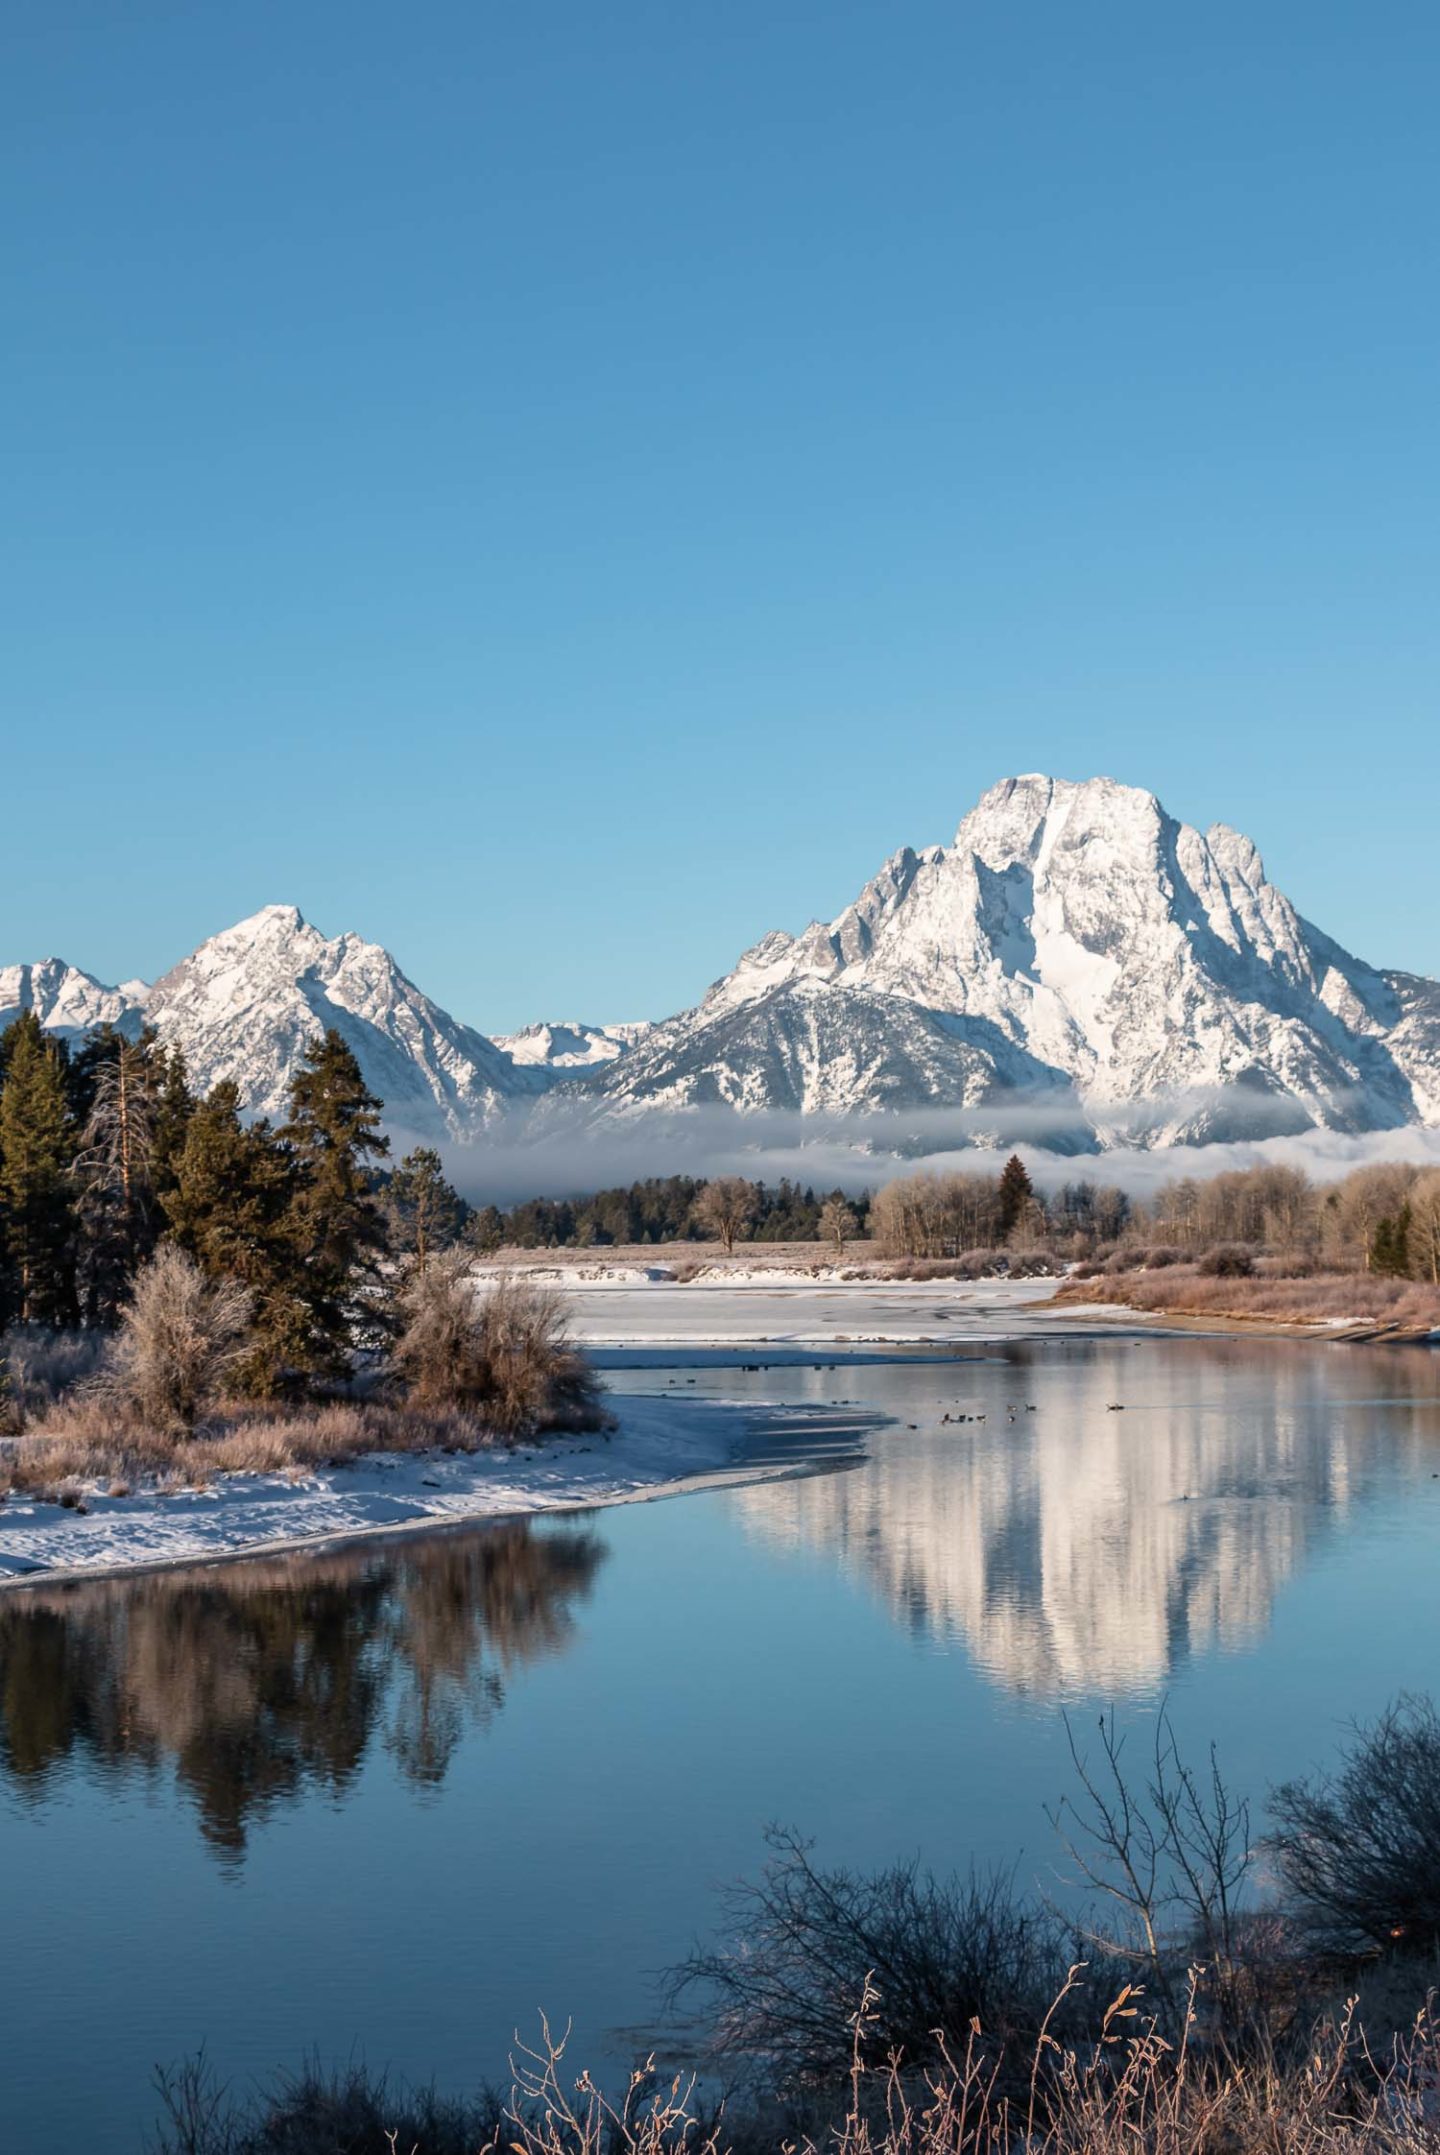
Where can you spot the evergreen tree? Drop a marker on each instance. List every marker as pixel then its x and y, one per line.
pixel 1390 1245
pixel 485 1230
pixel 36 1150
pixel 423 1212
pixel 116 1084
pixel 336 1225
pixel 174 1106
pixel 229 1205
pixel 1016 1191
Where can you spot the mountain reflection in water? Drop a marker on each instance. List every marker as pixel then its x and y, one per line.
pixel 1118 1509
pixel 260 1682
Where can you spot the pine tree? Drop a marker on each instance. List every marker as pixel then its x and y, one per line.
pixel 1016 1191
pixel 485 1230
pixel 174 1106
pixel 36 1149
pixel 117 1084
pixel 229 1205
pixel 1390 1245
pixel 423 1212
pixel 336 1224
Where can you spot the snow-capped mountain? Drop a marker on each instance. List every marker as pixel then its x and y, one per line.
pixel 565 1048
pixel 67 1001
pixel 244 1005
pixel 1076 953
pixel 1077 968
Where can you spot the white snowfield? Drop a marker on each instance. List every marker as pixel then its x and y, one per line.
pixel 624 1309
pixel 661 1447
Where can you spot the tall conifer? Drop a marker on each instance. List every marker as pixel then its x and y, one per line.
pixel 37 1147
pixel 336 1223
pixel 229 1205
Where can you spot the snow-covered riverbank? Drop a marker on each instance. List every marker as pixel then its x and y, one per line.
pixel 660 1447
pixel 622 1308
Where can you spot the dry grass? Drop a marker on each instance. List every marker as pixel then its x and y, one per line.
pixel 1124 2091
pixel 89 1442
pixel 1361 1298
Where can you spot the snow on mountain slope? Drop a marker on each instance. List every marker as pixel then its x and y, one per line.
pixel 66 1000
pixel 1415 1040
pixel 244 1005
pixel 570 1047
pixel 805 1047
pixel 1077 967
pixel 1074 936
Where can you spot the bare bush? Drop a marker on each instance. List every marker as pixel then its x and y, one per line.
pixel 805 1943
pixel 41 1366
pixel 1359 1849
pixel 505 1352
pixel 180 1336
pixel 1228 1261
pixel 361 2112
pixel 1160 1255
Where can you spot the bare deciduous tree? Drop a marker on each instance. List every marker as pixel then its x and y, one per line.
pixel 1425 1226
pixel 837 1223
pixel 1170 1854
pixel 727 1206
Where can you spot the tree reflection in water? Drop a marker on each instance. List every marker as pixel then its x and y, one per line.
pixel 262 1681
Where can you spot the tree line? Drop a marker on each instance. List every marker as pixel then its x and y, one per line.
pixel 107 1152
pixel 669 1208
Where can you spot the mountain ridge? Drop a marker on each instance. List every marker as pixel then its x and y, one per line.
pixel 1076 962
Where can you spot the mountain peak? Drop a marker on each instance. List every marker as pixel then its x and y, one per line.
pixel 271 921
pixel 1076 962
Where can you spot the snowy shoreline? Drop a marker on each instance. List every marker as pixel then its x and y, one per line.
pixel 661 1447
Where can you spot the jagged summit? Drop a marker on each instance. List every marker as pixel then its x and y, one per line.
pixel 1074 941
pixel 561 1049
pixel 1076 966
pixel 244 1005
pixel 67 1001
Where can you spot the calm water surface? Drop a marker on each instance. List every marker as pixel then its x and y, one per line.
pixel 392 1803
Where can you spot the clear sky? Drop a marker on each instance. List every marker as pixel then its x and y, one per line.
pixel 562 488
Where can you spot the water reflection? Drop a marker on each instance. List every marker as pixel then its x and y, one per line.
pixel 260 1682
pixel 1119 1509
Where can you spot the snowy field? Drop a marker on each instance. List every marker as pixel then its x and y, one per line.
pixel 620 1307
pixel 660 1448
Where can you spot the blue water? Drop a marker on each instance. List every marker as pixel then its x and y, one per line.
pixel 393 1803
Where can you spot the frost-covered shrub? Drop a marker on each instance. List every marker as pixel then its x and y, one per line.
pixel 506 1352
pixel 1161 1254
pixel 1228 1261
pixel 180 1336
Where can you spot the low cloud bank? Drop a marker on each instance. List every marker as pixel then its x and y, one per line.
pixel 863 1152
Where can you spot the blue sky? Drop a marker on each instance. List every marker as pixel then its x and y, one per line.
pixel 564 489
